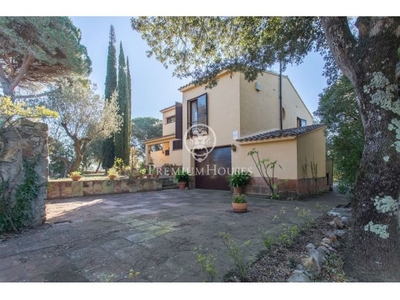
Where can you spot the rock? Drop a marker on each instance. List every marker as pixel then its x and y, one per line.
pixel 327 241
pixel 328 247
pixel 323 250
pixel 340 233
pixel 298 276
pixel 345 220
pixel 311 265
pixel 310 246
pixel 338 223
pixel 333 213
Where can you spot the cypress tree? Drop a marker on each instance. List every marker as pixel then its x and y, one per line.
pixel 129 110
pixel 108 149
pixel 121 139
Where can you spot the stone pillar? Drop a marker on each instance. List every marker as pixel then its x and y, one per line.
pixel 25 140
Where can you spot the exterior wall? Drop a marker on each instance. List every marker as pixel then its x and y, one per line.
pixel 311 147
pixel 175 157
pixel 293 106
pixel 259 110
pixel 158 158
pixel 285 152
pixel 69 189
pixel 223 111
pixel 168 128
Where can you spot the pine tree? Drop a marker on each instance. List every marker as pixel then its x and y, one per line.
pixel 108 149
pixel 121 139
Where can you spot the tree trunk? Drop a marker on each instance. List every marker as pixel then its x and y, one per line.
pixel 369 63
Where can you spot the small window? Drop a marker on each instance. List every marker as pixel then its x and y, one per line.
pixel 301 122
pixel 167 152
pixel 171 120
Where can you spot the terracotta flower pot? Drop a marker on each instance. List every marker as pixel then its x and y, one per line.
pixel 112 177
pixel 182 185
pixel 239 207
pixel 75 178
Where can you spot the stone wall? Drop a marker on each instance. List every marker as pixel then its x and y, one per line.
pixel 59 189
pixel 25 140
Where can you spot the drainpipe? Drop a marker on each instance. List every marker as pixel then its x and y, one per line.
pixel 280 95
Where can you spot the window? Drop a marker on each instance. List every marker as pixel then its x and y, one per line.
pixel 301 122
pixel 171 119
pixel 167 152
pixel 197 109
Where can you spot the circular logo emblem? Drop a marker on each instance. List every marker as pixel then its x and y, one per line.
pixel 201 141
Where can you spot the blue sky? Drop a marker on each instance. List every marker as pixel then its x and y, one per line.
pixel 153 87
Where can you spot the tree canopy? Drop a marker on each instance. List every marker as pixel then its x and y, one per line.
pixel 84 116
pixel 144 128
pixel 37 50
pixel 338 110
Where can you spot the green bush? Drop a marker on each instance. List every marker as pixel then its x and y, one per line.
pixel 239 179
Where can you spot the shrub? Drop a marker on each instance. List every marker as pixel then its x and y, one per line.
pixel 239 179
pixel 239 198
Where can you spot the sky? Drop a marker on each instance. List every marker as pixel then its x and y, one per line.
pixel 153 87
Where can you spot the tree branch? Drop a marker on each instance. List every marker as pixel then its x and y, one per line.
pixel 28 58
pixel 32 96
pixel 341 43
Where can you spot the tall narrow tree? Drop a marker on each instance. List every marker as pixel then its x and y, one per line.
pixel 108 149
pixel 121 140
pixel 128 116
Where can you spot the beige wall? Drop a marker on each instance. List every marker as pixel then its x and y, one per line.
pixel 223 111
pixel 259 110
pixel 311 147
pixel 284 151
pixel 293 105
pixel 168 128
pixel 175 157
pixel 159 159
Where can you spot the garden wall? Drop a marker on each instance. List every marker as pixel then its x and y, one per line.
pixel 25 141
pixel 59 189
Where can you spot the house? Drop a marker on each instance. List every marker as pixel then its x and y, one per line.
pixel 214 129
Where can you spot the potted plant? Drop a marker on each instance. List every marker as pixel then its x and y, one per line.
pixel 75 175
pixel 238 181
pixel 142 173
pixel 182 177
pixel 239 203
pixel 112 174
pixel 155 173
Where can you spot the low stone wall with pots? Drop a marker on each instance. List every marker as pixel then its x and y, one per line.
pixel 292 188
pixel 60 189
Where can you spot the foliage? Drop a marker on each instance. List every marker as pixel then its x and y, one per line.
pixel 18 215
pixel 38 50
pixel 239 198
pixel 119 165
pixel 288 234
pixel 239 179
pixel 112 172
pixel 84 116
pixel 305 217
pixel 145 128
pixel 122 137
pixel 202 47
pixel 75 173
pixel 108 148
pixel 182 176
pixel 264 166
pixel 338 109
pixel 206 263
pixel 237 253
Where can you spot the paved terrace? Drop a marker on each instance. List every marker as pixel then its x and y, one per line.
pixel 103 237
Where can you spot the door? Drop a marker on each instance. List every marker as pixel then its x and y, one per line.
pixel 213 171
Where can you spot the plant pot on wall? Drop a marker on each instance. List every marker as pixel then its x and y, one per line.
pixel 112 177
pixel 182 185
pixel 76 178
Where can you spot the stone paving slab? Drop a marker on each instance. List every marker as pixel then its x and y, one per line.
pixel 102 238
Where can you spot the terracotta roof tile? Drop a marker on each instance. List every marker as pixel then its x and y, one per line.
pixel 280 133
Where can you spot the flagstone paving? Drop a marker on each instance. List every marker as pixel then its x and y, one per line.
pixel 103 238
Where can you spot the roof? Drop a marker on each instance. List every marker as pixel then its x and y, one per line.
pixel 281 133
pixel 160 137
pixel 167 108
pixel 223 73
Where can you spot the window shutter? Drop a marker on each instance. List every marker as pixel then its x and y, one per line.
pixel 178 120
